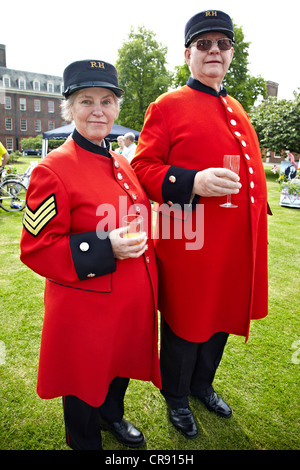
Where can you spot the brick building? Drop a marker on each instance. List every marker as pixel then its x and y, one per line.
pixel 29 104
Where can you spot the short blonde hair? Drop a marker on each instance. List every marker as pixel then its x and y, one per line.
pixel 66 107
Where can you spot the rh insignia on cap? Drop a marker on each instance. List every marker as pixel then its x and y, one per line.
pixel 211 13
pixel 97 65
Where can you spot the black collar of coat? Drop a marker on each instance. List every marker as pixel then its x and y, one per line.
pixel 196 85
pixel 90 146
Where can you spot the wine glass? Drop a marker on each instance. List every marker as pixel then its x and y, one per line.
pixel 231 162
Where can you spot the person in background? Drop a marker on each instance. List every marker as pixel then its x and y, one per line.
pixel 100 323
pixel 121 149
pixel 4 156
pixel 208 291
pixel 131 146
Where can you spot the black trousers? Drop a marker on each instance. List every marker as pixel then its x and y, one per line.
pixel 82 421
pixel 188 368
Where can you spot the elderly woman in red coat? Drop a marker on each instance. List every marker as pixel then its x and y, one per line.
pixel 212 261
pixel 100 326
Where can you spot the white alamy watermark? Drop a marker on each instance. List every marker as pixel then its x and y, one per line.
pixel 296 354
pixel 174 221
pixel 2 352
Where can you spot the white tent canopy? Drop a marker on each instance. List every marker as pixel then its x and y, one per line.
pixel 64 132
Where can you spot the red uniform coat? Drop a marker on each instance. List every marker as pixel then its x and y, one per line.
pixel 222 284
pixel 100 313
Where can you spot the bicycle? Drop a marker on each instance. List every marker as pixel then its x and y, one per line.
pixel 13 190
pixel 12 195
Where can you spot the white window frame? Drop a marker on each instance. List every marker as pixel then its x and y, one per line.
pixel 9 144
pixel 23 104
pixel 51 106
pixel 51 125
pixel 23 125
pixel 50 87
pixel 6 81
pixel 36 85
pixel 22 83
pixel 37 125
pixel 37 105
pixel 8 124
pixel 7 102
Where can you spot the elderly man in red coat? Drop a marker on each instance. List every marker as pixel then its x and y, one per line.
pixel 213 285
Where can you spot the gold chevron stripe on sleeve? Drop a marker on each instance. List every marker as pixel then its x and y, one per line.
pixel 35 220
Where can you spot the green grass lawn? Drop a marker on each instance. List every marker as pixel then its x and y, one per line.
pixel 258 379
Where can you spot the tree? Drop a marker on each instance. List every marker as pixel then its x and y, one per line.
pixel 239 83
pixel 277 124
pixel 143 75
pixel 32 142
pixel 36 142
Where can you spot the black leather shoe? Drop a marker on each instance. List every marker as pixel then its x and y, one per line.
pixel 215 403
pixel 125 432
pixel 183 420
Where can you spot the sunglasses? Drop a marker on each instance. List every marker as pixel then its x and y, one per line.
pixel 223 44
